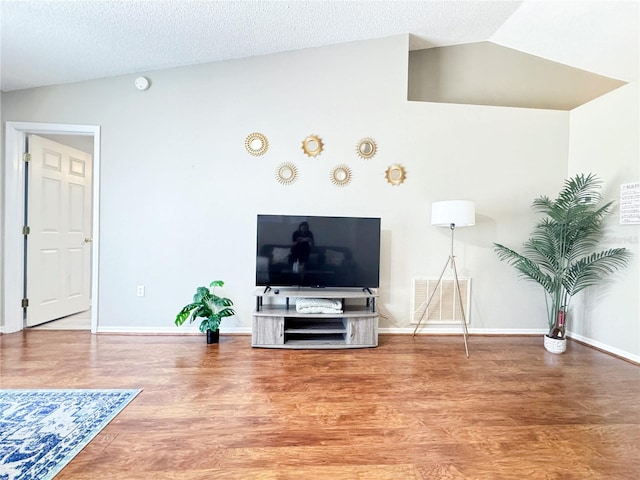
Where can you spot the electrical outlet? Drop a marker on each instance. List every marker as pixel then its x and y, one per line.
pixel 140 290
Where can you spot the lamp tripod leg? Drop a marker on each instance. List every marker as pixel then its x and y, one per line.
pixel 426 309
pixel 465 332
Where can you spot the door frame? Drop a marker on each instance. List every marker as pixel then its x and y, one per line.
pixel 13 210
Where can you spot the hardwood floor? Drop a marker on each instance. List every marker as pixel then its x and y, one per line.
pixel 413 408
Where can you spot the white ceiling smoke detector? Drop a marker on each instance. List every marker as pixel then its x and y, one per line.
pixel 142 83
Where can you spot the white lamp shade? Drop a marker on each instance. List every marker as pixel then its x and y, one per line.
pixel 462 213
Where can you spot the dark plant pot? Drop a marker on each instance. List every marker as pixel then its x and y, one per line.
pixel 213 336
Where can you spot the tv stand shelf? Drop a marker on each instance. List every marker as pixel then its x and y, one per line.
pixel 277 325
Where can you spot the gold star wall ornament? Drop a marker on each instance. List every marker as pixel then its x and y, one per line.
pixel 340 175
pixel 312 146
pixel 256 144
pixel 286 173
pixel 395 174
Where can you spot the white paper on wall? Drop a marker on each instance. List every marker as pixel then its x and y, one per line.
pixel 630 203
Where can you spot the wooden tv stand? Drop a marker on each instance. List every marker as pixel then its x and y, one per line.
pixel 279 325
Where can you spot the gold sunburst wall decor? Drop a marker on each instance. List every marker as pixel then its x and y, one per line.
pixel 396 174
pixel 286 173
pixel 366 148
pixel 256 144
pixel 340 175
pixel 312 146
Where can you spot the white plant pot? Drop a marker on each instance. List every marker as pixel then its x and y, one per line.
pixel 555 345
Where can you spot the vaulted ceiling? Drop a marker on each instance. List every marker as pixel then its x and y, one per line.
pixel 54 42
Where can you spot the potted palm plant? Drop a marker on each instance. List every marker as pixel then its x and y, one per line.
pixel 208 306
pixel 560 254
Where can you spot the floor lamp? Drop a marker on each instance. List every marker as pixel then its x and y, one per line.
pixel 452 214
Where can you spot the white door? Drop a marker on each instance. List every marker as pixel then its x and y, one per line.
pixel 58 263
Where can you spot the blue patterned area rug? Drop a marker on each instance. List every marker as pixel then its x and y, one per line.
pixel 42 430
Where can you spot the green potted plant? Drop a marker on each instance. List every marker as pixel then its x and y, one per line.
pixel 560 254
pixel 208 306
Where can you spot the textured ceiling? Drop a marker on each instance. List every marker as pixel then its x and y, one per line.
pixel 53 42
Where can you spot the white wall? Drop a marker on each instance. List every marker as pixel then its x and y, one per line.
pixel 604 140
pixel 180 194
pixel 2 232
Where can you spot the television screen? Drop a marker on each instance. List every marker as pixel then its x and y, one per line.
pixel 314 251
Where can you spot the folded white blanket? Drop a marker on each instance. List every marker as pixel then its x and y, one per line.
pixel 318 305
pixel 317 310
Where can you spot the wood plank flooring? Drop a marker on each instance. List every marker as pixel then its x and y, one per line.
pixel 415 408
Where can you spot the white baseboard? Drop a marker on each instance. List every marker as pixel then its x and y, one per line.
pixel 606 348
pixel 430 330
pixel 186 330
pixel 457 330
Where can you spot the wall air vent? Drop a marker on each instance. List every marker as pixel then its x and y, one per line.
pixel 445 306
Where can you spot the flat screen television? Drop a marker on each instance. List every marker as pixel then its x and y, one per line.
pixel 316 251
